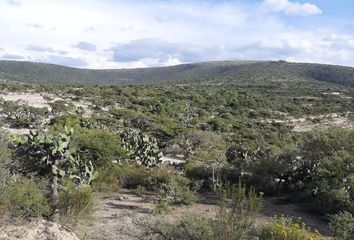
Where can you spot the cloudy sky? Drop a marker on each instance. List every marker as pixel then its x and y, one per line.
pixel 145 33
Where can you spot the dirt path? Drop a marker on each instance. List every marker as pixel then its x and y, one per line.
pixel 117 218
pixel 123 216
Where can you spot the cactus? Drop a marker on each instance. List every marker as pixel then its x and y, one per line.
pixel 81 172
pixel 54 154
pixel 24 115
pixel 142 148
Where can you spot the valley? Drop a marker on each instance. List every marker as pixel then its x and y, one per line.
pixel 174 150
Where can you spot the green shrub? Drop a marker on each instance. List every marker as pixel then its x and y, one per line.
pixel 176 191
pixel 333 201
pixel 24 198
pixel 238 210
pixel 61 106
pixel 5 159
pixel 75 202
pixel 140 190
pixel 132 176
pixel 327 158
pixel 162 207
pixel 234 222
pixel 342 226
pixel 286 228
pixel 106 181
pixel 191 227
pixel 101 147
pixel 184 195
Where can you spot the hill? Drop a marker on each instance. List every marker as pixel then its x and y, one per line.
pixel 227 72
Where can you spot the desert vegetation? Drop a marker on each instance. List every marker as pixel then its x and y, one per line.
pixel 183 146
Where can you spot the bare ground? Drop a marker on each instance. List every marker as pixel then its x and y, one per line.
pixel 124 216
pixel 34 230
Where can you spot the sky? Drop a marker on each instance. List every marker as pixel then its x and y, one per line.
pixel 148 33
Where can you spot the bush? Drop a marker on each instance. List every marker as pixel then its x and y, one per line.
pixel 5 159
pixel 132 176
pixel 61 106
pixel 333 201
pixel 234 222
pixel 320 170
pixel 162 207
pixel 106 181
pixel 238 209
pixel 24 198
pixel 101 147
pixel 192 227
pixel 285 228
pixel 75 202
pixel 342 226
pixel 172 193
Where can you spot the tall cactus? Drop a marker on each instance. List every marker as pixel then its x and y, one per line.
pixel 55 152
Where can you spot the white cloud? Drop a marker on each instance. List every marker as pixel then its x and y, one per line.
pixel 158 33
pixel 290 8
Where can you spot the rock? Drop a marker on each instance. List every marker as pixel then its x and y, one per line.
pixel 36 230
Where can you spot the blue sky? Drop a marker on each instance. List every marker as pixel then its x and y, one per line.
pixel 146 33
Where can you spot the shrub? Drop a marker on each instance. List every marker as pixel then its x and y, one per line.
pixel 184 195
pixel 286 228
pixel 75 202
pixel 238 209
pixel 174 194
pixel 24 198
pixel 327 159
pixel 5 159
pixel 101 147
pixel 106 181
pixel 131 175
pixel 191 227
pixel 342 226
pixel 61 106
pixel 234 222
pixel 162 207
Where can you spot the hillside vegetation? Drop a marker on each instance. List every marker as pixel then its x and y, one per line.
pixel 218 140
pixel 228 72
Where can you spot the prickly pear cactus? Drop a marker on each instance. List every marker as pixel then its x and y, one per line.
pixel 142 148
pixel 83 173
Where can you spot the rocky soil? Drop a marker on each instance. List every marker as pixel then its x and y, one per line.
pixel 35 230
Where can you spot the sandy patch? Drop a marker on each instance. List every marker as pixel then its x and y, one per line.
pixel 31 99
pixel 313 122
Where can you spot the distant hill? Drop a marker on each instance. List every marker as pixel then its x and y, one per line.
pixel 227 72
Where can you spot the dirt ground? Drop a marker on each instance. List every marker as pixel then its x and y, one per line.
pixel 124 216
pixel 34 230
